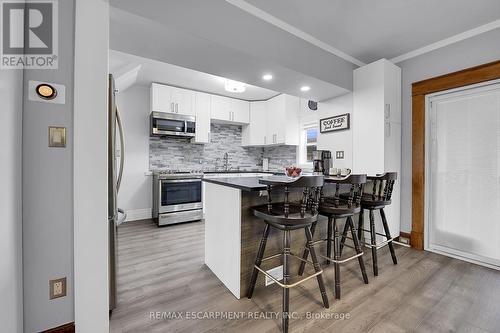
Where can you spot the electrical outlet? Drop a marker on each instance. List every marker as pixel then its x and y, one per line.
pixel 57 288
pixel 276 272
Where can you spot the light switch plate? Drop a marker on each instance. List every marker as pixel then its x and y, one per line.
pixel 57 137
pixel 57 288
pixel 339 154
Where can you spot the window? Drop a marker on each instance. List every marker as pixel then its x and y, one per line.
pixel 308 143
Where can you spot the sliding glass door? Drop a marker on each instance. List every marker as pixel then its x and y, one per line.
pixel 463 174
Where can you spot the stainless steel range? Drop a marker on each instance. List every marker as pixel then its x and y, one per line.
pixel 177 197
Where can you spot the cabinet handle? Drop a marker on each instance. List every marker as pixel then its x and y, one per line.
pixel 208 137
pixel 172 108
pixel 176 107
pixel 265 139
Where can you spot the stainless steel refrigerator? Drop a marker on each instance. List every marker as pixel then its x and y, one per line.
pixel 115 214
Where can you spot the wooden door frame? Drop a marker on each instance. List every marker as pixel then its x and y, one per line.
pixel 473 75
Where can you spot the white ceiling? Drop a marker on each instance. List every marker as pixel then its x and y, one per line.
pixel 316 43
pixel 160 72
pixel 370 30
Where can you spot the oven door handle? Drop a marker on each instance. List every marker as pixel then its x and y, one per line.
pixel 181 180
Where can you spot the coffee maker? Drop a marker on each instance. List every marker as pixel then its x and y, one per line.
pixel 326 157
pixel 322 161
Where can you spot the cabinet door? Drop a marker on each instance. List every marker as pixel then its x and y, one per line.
pixel 240 111
pixel 220 108
pixel 288 132
pixel 183 100
pixel 255 133
pixel 275 117
pixel 202 113
pixel 161 98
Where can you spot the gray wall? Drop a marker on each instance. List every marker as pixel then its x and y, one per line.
pixel 468 53
pixel 11 306
pixel 48 192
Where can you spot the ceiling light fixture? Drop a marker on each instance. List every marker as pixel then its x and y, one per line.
pixel 305 88
pixel 234 86
pixel 267 77
pixel 46 91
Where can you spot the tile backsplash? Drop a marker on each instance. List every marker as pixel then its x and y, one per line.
pixel 179 154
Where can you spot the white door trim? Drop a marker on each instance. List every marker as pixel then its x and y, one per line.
pixel 90 166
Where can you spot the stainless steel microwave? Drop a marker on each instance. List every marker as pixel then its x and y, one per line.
pixel 168 124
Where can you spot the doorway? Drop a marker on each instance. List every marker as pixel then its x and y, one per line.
pixel 463 173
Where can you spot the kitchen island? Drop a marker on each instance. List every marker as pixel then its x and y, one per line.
pixel 233 234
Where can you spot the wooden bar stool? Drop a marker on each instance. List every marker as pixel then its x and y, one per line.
pixel 288 216
pixel 377 200
pixel 337 208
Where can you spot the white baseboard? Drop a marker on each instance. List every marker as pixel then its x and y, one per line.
pixel 138 214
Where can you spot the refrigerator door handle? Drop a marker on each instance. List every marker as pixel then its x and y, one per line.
pixel 122 149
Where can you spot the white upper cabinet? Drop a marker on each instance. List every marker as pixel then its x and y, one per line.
pixel 273 122
pixel 283 120
pixel 161 98
pixel 241 111
pixel 255 133
pixel 171 99
pixel 230 110
pixel 202 104
pixel 184 100
pixel 377 109
pixel 220 108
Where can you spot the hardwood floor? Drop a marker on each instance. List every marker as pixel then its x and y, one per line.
pixel 162 270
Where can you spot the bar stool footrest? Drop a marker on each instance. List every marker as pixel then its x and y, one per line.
pixel 291 285
pixel 343 260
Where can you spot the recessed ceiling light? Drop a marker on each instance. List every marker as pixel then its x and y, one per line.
pixel 234 86
pixel 267 77
pixel 305 88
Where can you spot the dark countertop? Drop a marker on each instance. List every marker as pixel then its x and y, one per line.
pixel 240 171
pixel 241 183
pixel 252 183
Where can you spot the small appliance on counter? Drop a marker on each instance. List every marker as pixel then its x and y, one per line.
pixel 322 161
pixel 177 197
pixel 326 157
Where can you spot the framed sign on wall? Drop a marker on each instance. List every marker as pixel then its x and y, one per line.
pixel 336 123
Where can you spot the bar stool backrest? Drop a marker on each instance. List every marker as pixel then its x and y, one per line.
pixel 310 195
pixel 383 185
pixel 356 183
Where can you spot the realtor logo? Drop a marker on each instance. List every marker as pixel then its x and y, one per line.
pixel 29 34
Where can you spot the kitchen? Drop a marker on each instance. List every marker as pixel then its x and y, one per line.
pixel 204 181
pixel 195 142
